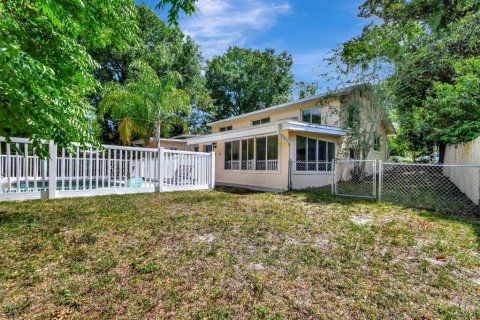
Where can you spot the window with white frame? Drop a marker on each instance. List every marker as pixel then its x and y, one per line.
pixel 314 154
pixel 260 153
pixel 312 115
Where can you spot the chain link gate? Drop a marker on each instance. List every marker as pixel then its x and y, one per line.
pixel 355 178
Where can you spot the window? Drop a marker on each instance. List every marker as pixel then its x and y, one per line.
pixel 252 154
pixel 314 155
pixel 260 121
pixel 232 155
pixel 227 128
pixel 377 142
pixel 352 154
pixel 312 115
pixel 248 156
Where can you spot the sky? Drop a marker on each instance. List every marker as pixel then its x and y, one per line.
pixel 307 29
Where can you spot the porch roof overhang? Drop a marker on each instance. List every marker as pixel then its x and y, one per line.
pixel 284 125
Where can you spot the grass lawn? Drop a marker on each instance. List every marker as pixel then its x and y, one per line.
pixel 231 254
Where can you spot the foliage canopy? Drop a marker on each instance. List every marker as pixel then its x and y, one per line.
pixel 423 40
pixel 245 80
pixel 45 70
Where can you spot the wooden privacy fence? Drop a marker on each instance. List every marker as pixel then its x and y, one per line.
pixel 99 171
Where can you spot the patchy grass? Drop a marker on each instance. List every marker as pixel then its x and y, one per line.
pixel 234 254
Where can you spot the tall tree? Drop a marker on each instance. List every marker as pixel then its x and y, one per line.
pixel 45 71
pixel 304 89
pixel 143 102
pixel 422 40
pixel 164 49
pixel 244 80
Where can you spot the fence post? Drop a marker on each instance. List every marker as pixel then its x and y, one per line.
pixel 380 179
pixel 333 176
pixel 161 169
pixel 52 170
pixel 212 170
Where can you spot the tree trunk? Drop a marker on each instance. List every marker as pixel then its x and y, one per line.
pixel 441 152
pixel 158 124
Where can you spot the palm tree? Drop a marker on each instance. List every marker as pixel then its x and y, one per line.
pixel 143 102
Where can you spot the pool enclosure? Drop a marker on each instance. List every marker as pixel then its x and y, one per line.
pixel 95 171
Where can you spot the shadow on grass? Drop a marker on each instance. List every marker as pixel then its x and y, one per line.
pixel 236 191
pixel 323 195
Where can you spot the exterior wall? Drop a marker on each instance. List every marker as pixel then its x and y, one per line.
pixel 466 179
pixel 174 145
pixel 382 154
pixel 371 120
pixel 330 115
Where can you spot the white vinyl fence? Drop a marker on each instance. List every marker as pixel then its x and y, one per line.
pixel 97 171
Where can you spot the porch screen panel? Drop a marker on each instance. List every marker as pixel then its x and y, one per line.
pixel 322 155
pixel 235 155
pixel 301 152
pixel 272 153
pixel 312 154
pixel 251 150
pixel 228 155
pixel 244 154
pixel 248 154
pixel 261 153
pixel 331 154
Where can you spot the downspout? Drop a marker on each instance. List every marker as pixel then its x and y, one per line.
pixel 289 183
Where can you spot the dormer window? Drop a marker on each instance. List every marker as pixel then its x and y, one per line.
pixel 261 121
pixel 312 115
pixel 228 128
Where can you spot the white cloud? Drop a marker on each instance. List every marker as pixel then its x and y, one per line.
pixel 218 24
pixel 309 65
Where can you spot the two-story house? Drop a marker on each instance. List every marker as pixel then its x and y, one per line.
pixel 290 145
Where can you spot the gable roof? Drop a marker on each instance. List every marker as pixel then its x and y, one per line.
pixel 288 104
pixel 271 127
pixel 388 124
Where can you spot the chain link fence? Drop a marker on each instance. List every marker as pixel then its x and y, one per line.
pixel 449 188
pixel 355 178
pixel 441 187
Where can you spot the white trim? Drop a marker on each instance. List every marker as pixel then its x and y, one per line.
pixel 265 129
pixel 312 172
